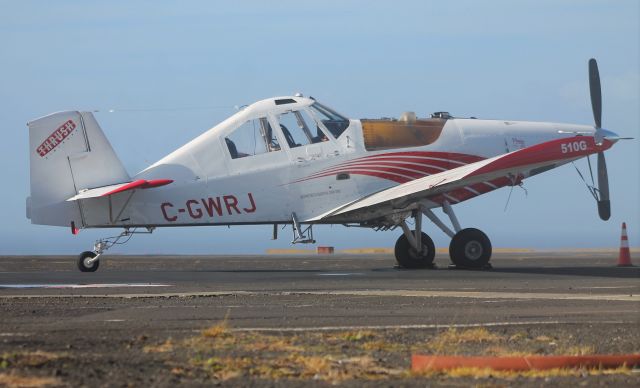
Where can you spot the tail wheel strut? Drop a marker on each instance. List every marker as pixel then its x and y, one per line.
pixel 88 261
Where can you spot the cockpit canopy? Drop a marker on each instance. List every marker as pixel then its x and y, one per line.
pixel 301 125
pixel 334 122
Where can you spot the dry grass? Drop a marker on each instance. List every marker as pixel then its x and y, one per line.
pixel 336 369
pixel 355 336
pixel 226 368
pixel 14 380
pixel 449 341
pixel 479 334
pixel 318 356
pixel 452 342
pixel 581 350
pixel 519 336
pixel 216 331
pixel 281 358
pixel 28 359
pixel 497 350
pixel 166 346
pixel 382 345
pixel 543 338
pixel 179 371
pixel 269 343
pixel 317 367
pixel 335 357
pixel 219 330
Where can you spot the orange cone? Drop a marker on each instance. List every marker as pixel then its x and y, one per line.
pixel 624 259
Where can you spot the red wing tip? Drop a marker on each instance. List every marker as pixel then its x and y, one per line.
pixel 140 184
pixel 157 183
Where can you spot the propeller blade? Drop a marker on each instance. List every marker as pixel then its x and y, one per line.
pixel 604 205
pixel 596 95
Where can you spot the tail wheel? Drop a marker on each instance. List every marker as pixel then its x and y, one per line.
pixel 470 248
pixel 84 265
pixel 408 257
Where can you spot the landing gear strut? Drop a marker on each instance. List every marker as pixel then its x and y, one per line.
pixel 408 257
pixel 414 249
pixel 469 248
pixel 89 261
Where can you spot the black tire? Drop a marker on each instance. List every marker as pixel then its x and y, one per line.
pixel 470 248
pixel 82 266
pixel 407 257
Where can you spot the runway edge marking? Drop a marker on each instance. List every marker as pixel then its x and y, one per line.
pixel 418 326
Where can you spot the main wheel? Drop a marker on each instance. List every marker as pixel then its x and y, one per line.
pixel 470 248
pixel 83 264
pixel 407 256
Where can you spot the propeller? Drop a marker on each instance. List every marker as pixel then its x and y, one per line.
pixel 596 95
pixel 604 204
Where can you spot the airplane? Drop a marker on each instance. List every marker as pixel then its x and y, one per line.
pixel 294 161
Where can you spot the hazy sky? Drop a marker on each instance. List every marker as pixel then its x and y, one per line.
pixel 171 70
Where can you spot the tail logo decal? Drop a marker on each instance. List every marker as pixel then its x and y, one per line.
pixel 56 138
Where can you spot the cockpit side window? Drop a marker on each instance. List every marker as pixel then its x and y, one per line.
pixel 312 126
pixel 295 130
pixel 254 137
pixel 333 121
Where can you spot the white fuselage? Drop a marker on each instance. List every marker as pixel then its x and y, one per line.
pixel 212 188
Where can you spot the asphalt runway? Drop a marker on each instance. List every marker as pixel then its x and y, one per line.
pixel 325 291
pixel 142 320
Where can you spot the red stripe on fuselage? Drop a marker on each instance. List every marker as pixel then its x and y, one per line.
pixel 418 163
pixel 412 170
pixel 383 175
pixel 550 151
pixel 453 156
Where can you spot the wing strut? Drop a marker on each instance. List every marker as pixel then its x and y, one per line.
pixel 448 210
pixel 436 221
pixel 415 237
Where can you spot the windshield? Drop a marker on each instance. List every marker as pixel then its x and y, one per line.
pixel 334 122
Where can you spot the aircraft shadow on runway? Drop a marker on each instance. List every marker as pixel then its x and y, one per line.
pixel 606 272
pixel 256 270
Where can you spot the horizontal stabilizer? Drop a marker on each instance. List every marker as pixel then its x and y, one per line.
pixel 119 188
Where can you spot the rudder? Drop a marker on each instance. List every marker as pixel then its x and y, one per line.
pixel 68 153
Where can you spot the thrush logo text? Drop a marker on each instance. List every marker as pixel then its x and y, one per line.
pixel 57 137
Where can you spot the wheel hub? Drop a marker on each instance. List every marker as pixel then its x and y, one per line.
pixel 473 250
pixel 87 263
pixel 415 255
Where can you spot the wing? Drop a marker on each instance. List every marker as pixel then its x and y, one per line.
pixel 465 182
pixel 119 187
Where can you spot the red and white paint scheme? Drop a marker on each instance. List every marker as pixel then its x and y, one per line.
pixel 292 160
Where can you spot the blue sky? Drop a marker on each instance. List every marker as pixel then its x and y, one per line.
pixel 171 70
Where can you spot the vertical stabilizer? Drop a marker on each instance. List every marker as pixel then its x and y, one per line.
pixel 68 153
